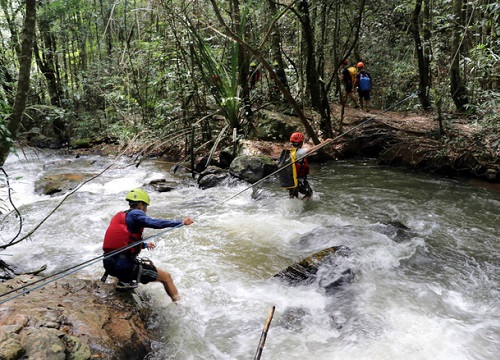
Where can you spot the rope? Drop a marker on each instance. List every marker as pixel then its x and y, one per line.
pixel 83 265
pixel 9 194
pixel 78 267
pixel 315 150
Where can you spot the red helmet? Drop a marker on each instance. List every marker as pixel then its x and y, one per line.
pixel 360 64
pixel 297 137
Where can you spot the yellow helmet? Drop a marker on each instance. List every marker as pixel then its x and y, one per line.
pixel 138 195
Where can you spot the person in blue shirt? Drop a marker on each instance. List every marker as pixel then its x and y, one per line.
pixel 364 86
pixel 126 228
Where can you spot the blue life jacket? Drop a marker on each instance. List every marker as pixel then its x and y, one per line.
pixel 365 83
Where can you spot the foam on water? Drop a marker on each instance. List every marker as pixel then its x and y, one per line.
pixel 432 295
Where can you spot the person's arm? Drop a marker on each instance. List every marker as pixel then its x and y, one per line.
pixel 137 219
pixel 316 147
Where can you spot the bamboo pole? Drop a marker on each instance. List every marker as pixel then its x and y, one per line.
pixel 263 336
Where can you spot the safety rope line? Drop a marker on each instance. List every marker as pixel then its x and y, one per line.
pixel 78 267
pixel 83 265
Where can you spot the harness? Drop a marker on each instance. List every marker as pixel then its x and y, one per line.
pixel 302 167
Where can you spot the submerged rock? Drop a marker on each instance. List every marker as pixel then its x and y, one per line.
pixel 321 267
pixel 395 230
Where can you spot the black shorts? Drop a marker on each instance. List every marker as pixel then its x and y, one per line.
pixel 348 87
pixel 303 188
pixel 364 94
pixel 128 268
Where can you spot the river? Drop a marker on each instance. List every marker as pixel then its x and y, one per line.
pixel 433 295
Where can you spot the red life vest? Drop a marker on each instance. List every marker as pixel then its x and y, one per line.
pixel 117 236
pixel 302 167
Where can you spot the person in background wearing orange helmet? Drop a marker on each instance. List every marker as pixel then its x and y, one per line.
pixel 126 228
pixel 348 77
pixel 301 165
pixel 364 84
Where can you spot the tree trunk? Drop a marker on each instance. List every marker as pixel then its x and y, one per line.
pixel 243 61
pixel 458 91
pixel 423 60
pixel 23 83
pixel 275 35
pixel 49 67
pixel 318 96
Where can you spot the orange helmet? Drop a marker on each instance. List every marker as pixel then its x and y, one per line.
pixel 360 64
pixel 297 137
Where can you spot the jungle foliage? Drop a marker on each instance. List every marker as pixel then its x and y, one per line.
pixel 171 68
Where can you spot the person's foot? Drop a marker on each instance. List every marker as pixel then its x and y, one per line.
pixel 124 286
pixel 176 298
pixel 356 107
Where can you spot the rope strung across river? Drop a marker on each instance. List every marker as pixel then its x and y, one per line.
pixel 73 269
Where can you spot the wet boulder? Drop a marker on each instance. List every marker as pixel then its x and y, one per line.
pixel 395 230
pixel 162 185
pixel 225 159
pixel 72 319
pixel 252 168
pixel 59 183
pixel 213 176
pixel 274 126
pixel 322 268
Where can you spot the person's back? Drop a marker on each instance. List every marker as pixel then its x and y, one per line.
pixel 364 82
pixel 300 167
pixel 123 243
pixel 348 80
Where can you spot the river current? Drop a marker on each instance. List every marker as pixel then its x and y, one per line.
pixel 433 295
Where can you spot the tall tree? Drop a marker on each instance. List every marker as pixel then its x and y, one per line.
pixel 422 57
pixel 23 83
pixel 458 90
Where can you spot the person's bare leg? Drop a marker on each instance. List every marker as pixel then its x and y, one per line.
pixel 168 283
pixel 351 95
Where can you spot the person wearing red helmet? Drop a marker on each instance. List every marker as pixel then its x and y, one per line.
pixel 364 83
pixel 295 179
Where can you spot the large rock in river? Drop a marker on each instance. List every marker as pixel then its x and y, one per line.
pixel 71 319
pixel 307 271
pixel 252 168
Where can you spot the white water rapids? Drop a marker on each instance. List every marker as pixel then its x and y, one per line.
pixel 433 295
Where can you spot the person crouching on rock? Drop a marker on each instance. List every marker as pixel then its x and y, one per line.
pixel 126 228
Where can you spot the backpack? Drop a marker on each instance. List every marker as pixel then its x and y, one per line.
pixel 352 71
pixel 288 173
pixel 365 83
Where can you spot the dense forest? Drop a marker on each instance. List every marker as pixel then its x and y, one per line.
pixel 180 71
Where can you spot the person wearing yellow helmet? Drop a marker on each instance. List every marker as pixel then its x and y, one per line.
pixel 348 77
pixel 125 229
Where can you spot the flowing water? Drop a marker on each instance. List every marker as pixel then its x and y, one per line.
pixel 433 294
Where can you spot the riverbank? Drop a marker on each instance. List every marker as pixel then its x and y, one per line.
pixel 455 147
